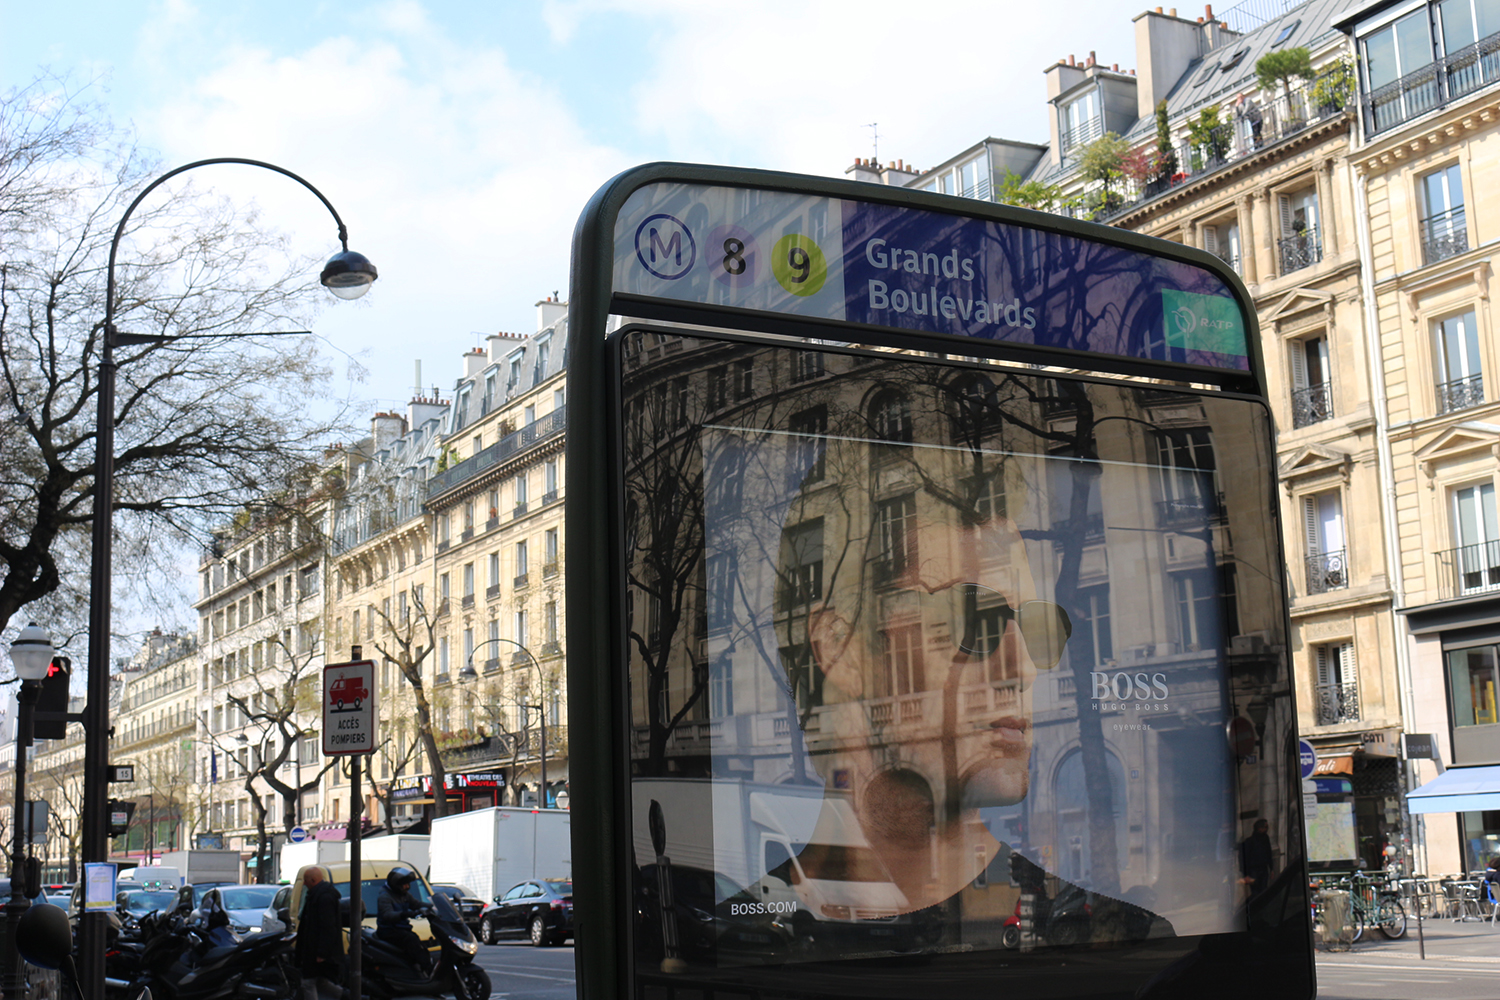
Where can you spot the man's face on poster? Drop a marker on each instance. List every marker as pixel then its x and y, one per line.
pixel 941 651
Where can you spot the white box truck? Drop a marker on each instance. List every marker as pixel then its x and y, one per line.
pixel 408 848
pixel 310 852
pixel 490 850
pixel 200 866
pixel 799 850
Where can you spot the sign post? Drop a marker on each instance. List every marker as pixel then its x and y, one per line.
pixel 350 719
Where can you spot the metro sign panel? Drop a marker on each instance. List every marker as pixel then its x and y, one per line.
pixel 349 715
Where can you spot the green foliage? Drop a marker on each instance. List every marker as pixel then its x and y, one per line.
pixel 1208 136
pixel 1334 86
pixel 448 456
pixel 1103 160
pixel 1280 68
pixel 1014 190
pixel 1166 154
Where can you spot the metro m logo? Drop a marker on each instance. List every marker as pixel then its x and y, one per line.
pixel 665 246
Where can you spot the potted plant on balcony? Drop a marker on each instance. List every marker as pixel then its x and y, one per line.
pixel 1209 136
pixel 1166 153
pixel 1277 70
pixel 1333 87
pixel 1102 161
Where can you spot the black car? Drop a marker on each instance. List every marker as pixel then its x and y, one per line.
pixel 464 900
pixel 541 909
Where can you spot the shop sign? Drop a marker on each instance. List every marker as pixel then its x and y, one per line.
pixel 1382 743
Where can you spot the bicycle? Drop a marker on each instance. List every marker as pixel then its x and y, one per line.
pixel 1376 903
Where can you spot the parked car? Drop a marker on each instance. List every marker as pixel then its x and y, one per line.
pixel 244 904
pixel 139 902
pixel 270 917
pixel 541 909
pixel 468 904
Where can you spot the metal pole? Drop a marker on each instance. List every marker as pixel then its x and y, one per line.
pixel 13 973
pixel 91 938
pixel 356 874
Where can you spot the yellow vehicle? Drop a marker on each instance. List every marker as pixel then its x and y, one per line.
pixel 371 885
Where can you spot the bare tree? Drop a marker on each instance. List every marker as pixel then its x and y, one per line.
pixel 408 643
pixel 208 412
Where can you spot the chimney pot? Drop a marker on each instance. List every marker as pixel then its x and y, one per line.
pixel 1208 11
pixel 1116 67
pixel 1200 20
pixel 1070 60
pixel 1158 10
pixel 1174 11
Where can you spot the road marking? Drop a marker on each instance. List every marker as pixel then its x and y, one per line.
pixel 1426 970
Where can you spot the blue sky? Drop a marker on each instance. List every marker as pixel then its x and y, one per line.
pixel 450 133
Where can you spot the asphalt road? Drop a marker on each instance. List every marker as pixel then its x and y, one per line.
pixel 521 972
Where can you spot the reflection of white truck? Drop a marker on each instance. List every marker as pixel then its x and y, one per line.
pixel 197 867
pixel 490 850
pixel 798 849
pixel 311 852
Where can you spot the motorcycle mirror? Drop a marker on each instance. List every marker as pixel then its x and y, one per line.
pixel 44 937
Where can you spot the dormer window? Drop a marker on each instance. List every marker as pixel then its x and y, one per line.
pixel 1285 34
pixel 1080 121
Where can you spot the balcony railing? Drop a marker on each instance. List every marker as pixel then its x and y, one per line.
pixel 1312 405
pixel 1190 510
pixel 1433 86
pixel 1461 393
pixel 1301 250
pixel 1338 703
pixel 1444 235
pixel 521 580
pixel 1328 96
pixel 1469 569
pixel 492 592
pixel 1326 571
pixel 535 432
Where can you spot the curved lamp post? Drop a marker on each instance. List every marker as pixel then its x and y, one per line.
pixel 468 675
pixel 31 654
pixel 348 275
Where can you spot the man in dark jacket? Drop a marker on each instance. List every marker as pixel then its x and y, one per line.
pixel 393 914
pixel 1257 858
pixel 320 944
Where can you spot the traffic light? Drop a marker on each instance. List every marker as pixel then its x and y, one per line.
pixel 53 698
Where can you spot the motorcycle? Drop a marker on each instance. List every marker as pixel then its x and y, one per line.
pixel 198 957
pixel 387 973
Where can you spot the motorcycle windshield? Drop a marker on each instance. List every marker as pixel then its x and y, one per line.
pixel 444 907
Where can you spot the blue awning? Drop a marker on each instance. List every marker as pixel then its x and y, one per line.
pixel 1458 789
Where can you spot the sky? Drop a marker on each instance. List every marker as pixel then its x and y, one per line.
pixel 460 140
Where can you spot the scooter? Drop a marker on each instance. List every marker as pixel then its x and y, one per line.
pixel 198 957
pixel 386 972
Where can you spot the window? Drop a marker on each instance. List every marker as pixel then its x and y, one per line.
pixel 1197 610
pixel 1311 396
pixel 1285 34
pixel 521 627
pixel 1079 121
pixel 1445 231
pixel 468 583
pixel 721 688
pixel 1323 531
pixel 550 479
pixel 1300 245
pixel 895 536
pixel 721 570
pixel 494 573
pixel 1222 239
pixel 744 379
pixel 890 417
pixel 520 490
pixel 807 442
pixel 904 671
pixel 1460 375
pixel 521 562
pixel 1337 691
pixel 1471 673
pixel 802 557
pixel 1189 473
pixel 807 365
pixel 718 388
pixel 308 582
pixel 1092 641
pixel 549 551
pixel 513 374
pixel 973 179
pixel 549 623
pixel 1477 556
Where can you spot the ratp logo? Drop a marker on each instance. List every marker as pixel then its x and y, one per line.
pixel 665 246
pixel 1185 319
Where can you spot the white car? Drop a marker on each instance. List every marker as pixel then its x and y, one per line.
pixel 270 918
pixel 245 904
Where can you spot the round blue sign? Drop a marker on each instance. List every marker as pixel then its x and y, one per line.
pixel 296 834
pixel 1308 757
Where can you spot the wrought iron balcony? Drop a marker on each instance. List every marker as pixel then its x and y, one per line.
pixel 1444 235
pixel 1312 404
pixel 1190 510
pixel 1451 78
pixel 1469 569
pixel 1327 571
pixel 1461 393
pixel 1338 703
pixel 1301 250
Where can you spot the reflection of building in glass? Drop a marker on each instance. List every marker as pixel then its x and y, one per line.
pixel 862 597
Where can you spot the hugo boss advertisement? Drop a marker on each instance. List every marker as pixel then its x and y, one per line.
pixel 938 663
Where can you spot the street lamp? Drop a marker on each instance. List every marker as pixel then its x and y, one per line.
pixel 31 654
pixel 347 275
pixel 468 675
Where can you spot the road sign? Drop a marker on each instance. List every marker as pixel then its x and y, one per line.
pixel 349 715
pixel 122 773
pixel 1308 757
pixel 297 834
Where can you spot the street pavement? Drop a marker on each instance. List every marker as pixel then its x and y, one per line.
pixel 1462 963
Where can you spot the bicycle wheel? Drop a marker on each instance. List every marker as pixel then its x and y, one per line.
pixel 1357 919
pixel 1392 917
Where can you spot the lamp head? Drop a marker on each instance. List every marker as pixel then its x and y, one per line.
pixel 468 673
pixel 32 653
pixel 348 274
